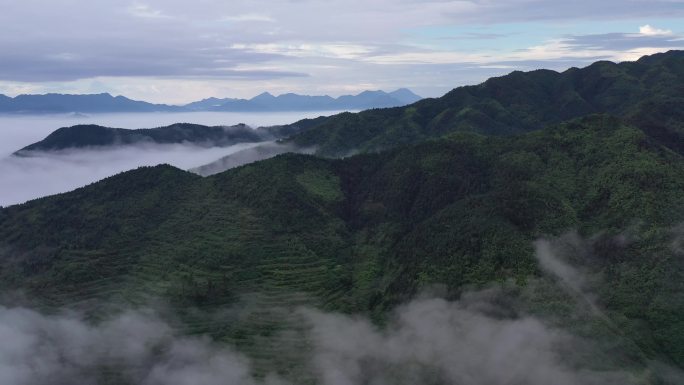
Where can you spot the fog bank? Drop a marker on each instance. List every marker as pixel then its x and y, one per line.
pixel 23 179
pixel 26 178
pixel 255 153
pixel 426 341
pixel 18 131
pixel 433 341
pixel 136 347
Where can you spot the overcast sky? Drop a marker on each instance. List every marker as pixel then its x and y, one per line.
pixel 178 51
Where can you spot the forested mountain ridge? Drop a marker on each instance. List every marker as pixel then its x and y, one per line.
pixel 648 93
pixel 366 233
pixel 85 136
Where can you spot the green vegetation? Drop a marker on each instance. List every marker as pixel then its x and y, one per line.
pixel 456 207
pixel 325 185
pixel 81 136
pixel 364 233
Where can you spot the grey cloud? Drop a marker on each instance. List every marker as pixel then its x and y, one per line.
pixel 559 63
pixel 135 346
pixel 554 255
pixel 541 10
pixel 677 244
pixel 623 41
pixel 567 258
pixel 474 36
pixel 67 40
pixel 80 62
pixel 484 338
pixel 426 341
pixel 546 251
pixel 571 260
pixel 26 178
pixel 63 41
pixel 436 341
pixel 248 155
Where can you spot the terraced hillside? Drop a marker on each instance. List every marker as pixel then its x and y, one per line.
pixel 366 233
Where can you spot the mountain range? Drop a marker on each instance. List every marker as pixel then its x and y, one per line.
pixel 486 189
pixel 294 102
pixel 647 93
pixel 639 92
pixel 62 103
pixel 265 102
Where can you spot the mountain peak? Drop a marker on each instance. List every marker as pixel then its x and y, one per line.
pixel 264 96
pixel 372 92
pixel 403 91
pixel 405 95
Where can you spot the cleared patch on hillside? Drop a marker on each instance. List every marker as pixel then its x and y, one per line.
pixel 322 184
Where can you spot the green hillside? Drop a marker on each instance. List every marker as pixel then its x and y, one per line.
pixel 365 233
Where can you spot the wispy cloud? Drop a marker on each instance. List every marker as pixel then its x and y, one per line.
pixel 145 11
pixel 587 48
pixel 647 30
pixel 329 50
pixel 249 17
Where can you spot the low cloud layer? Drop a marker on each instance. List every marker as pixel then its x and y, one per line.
pixel 25 178
pixel 136 347
pixel 678 239
pixel 427 341
pixel 248 155
pixel 553 256
pixel 566 260
pixel 484 338
pixel 436 341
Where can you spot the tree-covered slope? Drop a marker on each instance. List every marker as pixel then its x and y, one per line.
pixel 648 93
pixel 365 233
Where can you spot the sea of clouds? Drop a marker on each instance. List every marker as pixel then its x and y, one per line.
pixel 26 178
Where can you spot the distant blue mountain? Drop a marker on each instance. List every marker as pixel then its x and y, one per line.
pixel 405 96
pixel 64 103
pixel 295 102
pixel 61 103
